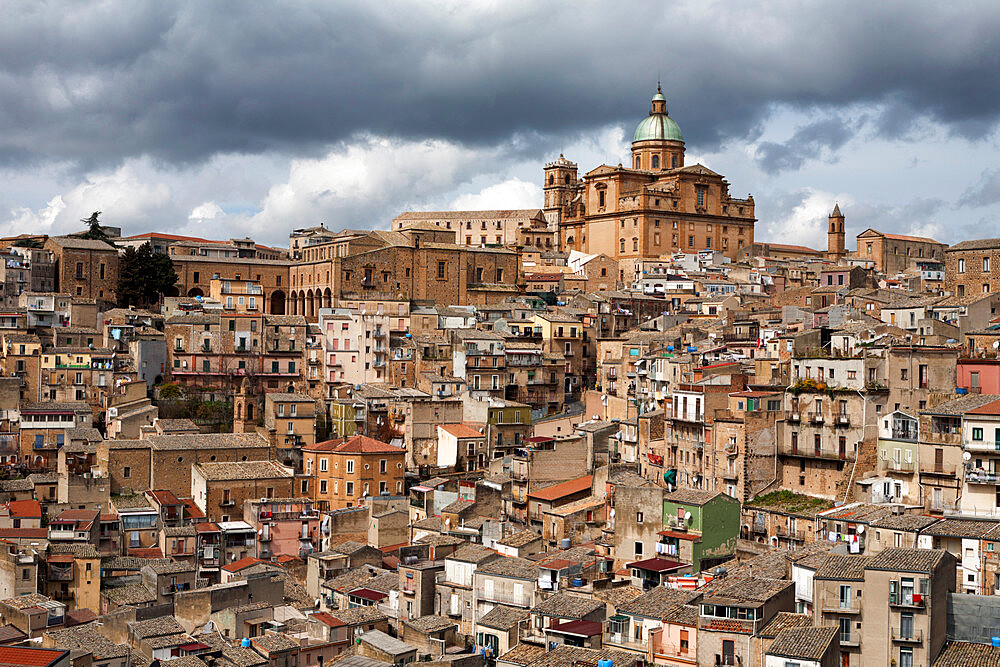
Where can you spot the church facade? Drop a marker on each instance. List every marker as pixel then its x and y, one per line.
pixel 657 205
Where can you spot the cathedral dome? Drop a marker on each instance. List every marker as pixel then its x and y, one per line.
pixel 658 126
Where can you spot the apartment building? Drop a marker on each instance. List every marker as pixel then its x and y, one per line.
pixel 347 472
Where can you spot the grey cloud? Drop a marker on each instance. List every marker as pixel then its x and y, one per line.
pixel 985 192
pixel 808 142
pixel 182 82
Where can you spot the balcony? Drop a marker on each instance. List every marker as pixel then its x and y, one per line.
pixel 944 469
pixel 57 573
pixel 816 418
pixel 792 416
pixel 842 419
pixel 797 535
pixel 813 453
pixel 983 446
pixel 978 476
pixel 852 641
pixel 227 503
pixel 907 636
pixel 624 640
pixel 499 597
pixel 835 605
pixel 899 466
pixel 908 600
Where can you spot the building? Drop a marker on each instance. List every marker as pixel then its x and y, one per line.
pixel 347 472
pixel 84 267
pixel 971 267
pixel 221 489
pixel 654 206
pixel 515 227
pixel 896 253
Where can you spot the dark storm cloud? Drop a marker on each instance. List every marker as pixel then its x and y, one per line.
pixel 181 82
pixel 808 142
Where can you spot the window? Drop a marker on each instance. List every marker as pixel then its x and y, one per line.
pixel 350 466
pixel 977 434
pixel 638 549
pixel 442 271
pixel 601 198
pixel 126 472
pixel 656 162
pixel 350 488
pixel 986 265
pixel 638 517
pixel 322 486
pixel 323 465
pixel 961 266
pixel 701 196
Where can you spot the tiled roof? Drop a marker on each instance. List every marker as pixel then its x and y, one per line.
pixel 129 594
pixel 431 623
pixel 361 615
pixel 843 566
pixel 473 553
pixel 572 656
pixel 657 602
pixel 24 656
pixel 358 444
pixel 519 539
pixel 386 643
pixel 461 430
pixel 156 627
pixel 809 643
pixel 274 642
pixel 907 560
pixel 522 654
pixel 961 528
pixel 967 654
pixel 567 605
pixel 502 617
pixel 691 496
pixel 242 470
pixel 518 568
pixel 564 489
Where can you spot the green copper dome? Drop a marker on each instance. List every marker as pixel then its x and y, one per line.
pixel 658 126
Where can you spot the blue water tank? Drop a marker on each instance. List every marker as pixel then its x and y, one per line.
pixel 245 643
pixel 670 348
pixel 996 642
pixel 961 391
pixel 605 662
pixel 578 582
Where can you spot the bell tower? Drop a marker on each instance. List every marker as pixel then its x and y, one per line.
pixel 835 235
pixel 560 182
pixel 244 419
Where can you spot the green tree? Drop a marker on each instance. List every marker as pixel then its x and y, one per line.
pixel 144 276
pixel 94 230
pixel 27 243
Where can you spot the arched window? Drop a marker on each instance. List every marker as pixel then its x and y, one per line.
pixel 638 162
pixel 656 162
pixel 551 179
pixel 566 179
pixel 635 244
pixel 673 161
pixel 622 244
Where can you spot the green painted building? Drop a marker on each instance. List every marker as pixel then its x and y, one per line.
pixel 699 527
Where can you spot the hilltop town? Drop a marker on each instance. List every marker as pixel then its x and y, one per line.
pixel 614 429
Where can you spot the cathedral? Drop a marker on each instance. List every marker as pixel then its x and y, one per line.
pixel 656 206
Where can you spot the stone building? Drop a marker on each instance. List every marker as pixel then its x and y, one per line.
pixel 654 206
pixel 84 267
pixel 895 253
pixel 417 264
pixel 512 227
pixel 220 489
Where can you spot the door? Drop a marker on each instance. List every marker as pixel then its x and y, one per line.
pixel 938 460
pixel 728 652
pixel 845 659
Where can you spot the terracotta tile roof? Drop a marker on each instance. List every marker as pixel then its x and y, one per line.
pixel 242 563
pixel 564 489
pixel 25 509
pixel 31 657
pixel 358 444
pixel 461 430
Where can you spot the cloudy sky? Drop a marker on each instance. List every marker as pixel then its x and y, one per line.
pixel 251 118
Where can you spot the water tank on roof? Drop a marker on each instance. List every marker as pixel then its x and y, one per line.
pixel 245 643
pixel 605 662
pixel 565 543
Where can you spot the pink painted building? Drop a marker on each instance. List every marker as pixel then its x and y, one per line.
pixel 979 376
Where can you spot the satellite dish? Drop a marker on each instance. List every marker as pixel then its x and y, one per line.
pixel 996 344
pixel 861 529
pixel 687 516
pixel 966 456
